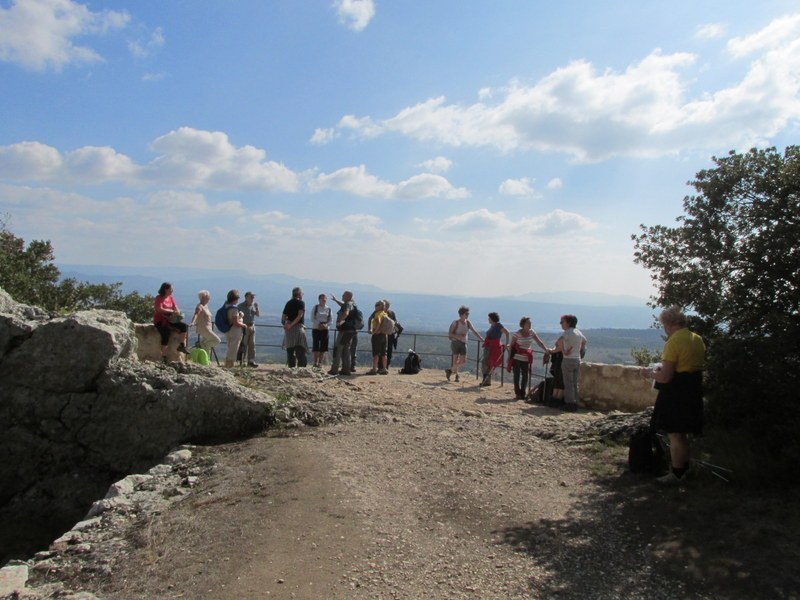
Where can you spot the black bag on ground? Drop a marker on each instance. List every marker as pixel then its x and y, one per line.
pixel 645 453
pixel 542 392
pixel 412 365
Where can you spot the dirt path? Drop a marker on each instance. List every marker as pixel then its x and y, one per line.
pixel 432 490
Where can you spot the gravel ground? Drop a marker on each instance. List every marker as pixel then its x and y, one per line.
pixel 415 487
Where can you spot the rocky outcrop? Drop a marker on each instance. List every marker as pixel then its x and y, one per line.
pixel 78 410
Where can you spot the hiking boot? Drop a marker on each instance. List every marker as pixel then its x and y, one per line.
pixel 182 348
pixel 383 372
pixel 333 372
pixel 487 381
pixel 457 378
pixel 252 363
pixel 447 373
pixel 371 372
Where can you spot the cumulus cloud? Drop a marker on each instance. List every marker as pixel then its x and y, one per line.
pixel 323 136
pixel 555 184
pixel 187 157
pixel 440 164
pixel 710 31
pixel 553 223
pixel 144 49
pixel 355 14
pixel 38 34
pixel 357 181
pixel 643 111
pixel 517 187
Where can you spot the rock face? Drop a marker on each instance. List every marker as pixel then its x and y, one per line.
pixel 77 410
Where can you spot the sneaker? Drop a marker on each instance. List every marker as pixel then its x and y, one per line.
pixel 333 372
pixel 487 381
pixel 252 363
pixel 669 479
pixel 447 373
pixel 383 372
pixel 371 372
pixel 182 348
pixel 457 378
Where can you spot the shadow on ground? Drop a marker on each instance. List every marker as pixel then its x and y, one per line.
pixel 707 539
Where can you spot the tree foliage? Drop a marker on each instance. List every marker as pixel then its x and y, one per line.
pixel 733 260
pixel 29 276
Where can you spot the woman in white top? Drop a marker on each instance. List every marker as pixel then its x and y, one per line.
pixel 522 355
pixel 320 324
pixel 458 332
pixel 205 324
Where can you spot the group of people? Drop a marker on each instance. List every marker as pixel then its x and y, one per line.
pixel 236 320
pixel 569 349
pixel 678 408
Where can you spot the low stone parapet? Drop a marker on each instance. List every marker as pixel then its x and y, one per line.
pixel 614 387
pixel 149 344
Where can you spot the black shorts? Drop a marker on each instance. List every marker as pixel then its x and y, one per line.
pixel 166 330
pixel 319 340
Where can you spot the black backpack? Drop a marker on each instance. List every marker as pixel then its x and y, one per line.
pixel 542 393
pixel 413 364
pixel 645 453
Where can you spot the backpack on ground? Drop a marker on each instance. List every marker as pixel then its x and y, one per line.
pixel 645 453
pixel 412 365
pixel 542 392
pixel 199 356
pixel 387 326
pixel 221 319
pixel 356 318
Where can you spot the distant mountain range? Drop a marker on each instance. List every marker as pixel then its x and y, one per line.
pixel 420 312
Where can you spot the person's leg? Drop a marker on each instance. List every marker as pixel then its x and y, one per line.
pixel 525 368
pixel 234 338
pixel 346 351
pixel 515 368
pixel 389 347
pixel 290 359
pixel 679 451
pixel 300 352
pixel 486 369
pixel 337 354
pixel 353 349
pixel 164 333
pixel 570 386
pixel 251 344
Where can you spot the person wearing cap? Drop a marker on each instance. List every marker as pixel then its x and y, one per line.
pixel 249 308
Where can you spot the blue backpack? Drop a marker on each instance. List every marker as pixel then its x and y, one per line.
pixel 356 318
pixel 221 319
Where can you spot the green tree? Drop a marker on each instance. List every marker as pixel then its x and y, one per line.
pixel 29 276
pixel 733 261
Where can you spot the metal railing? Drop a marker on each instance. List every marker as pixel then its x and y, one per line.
pixel 275 341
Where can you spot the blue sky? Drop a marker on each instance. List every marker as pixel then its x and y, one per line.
pixel 476 148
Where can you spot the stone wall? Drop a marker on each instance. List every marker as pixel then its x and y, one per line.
pixel 614 387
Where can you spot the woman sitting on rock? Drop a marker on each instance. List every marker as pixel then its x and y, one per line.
pixel 167 318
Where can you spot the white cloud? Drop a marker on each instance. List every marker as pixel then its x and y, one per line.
pixel 555 184
pixel 38 34
pixel 172 202
pixel 778 33
pixel 710 31
pixel 553 223
pixel 440 164
pixel 517 187
pixel 355 14
pixel 196 158
pixel 153 76
pixel 643 111
pixel 187 158
pixel 323 136
pixel 357 181
pixel 148 48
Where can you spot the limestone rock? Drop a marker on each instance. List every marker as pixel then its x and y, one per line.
pixel 69 353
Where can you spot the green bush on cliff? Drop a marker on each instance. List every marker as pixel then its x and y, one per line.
pixel 28 274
